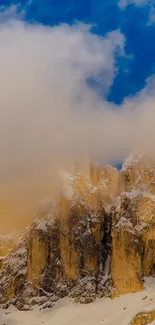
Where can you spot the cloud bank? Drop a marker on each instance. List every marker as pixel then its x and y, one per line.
pixel 47 109
pixel 50 116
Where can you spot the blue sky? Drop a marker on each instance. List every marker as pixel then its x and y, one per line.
pixel 135 20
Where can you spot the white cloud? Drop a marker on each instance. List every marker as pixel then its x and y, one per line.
pixel 44 94
pixel 12 12
pixel 49 115
pixel 152 15
pixel 124 3
pixel 46 107
pixel 47 111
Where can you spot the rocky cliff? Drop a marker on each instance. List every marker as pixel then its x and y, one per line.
pixel 98 239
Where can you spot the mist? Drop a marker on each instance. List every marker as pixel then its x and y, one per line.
pixel 50 116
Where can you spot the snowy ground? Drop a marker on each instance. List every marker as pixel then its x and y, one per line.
pixel 102 312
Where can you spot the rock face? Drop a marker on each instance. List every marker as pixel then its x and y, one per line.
pixel 144 318
pixel 126 262
pixel 97 240
pixel 61 256
pixel 7 243
pixel 126 248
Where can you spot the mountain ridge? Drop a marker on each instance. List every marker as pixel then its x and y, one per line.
pixel 97 240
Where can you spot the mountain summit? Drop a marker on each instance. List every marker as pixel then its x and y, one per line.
pixel 97 240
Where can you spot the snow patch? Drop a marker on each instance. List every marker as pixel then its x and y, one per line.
pixel 42 226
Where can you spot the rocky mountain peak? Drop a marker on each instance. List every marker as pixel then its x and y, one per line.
pixel 98 239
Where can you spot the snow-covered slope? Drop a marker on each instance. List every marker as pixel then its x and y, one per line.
pixel 103 311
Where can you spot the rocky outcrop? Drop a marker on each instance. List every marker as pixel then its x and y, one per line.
pixel 138 173
pixel 126 262
pixel 133 240
pixel 133 219
pixel 97 239
pixel 13 273
pixel 7 243
pixel 143 318
pixel 148 252
pixel 126 248
pixel 63 255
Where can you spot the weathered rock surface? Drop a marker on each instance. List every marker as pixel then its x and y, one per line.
pixel 144 318
pixel 98 239
pixel 7 243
